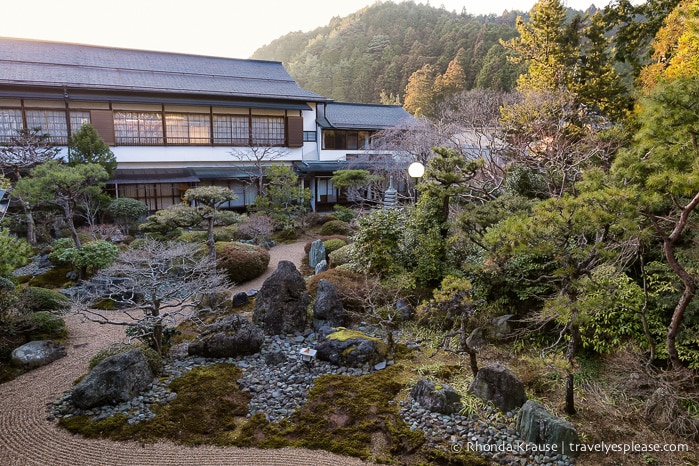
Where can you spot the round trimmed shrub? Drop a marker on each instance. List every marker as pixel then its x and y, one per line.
pixel 336 227
pixel 241 262
pixel 34 299
pixel 201 236
pixel 341 256
pixel 332 245
pixel 46 326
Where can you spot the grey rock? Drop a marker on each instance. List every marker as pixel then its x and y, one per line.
pixel 37 353
pixel 321 267
pixel 501 327
pixel 275 358
pixel 228 337
pixel 328 309
pixel 476 340
pixel 316 253
pixel 405 309
pixel 116 379
pixel 437 398
pixel 280 306
pixel 353 349
pixel 498 385
pixel 538 426
pixel 241 298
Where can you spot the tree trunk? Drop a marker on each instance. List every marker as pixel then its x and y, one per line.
pixel 210 242
pixel 690 286
pixel 31 227
pixel 472 354
pixel 690 289
pixel 570 356
pixel 68 214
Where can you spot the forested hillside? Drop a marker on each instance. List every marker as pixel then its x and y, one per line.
pixel 374 51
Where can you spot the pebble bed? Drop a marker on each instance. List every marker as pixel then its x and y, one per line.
pixel 278 381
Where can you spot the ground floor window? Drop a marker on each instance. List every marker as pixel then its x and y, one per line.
pixel 156 196
pixel 325 190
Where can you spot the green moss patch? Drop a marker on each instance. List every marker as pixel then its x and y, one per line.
pixel 206 411
pixel 343 334
pixel 351 416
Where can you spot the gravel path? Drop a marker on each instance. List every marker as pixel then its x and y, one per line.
pixel 28 438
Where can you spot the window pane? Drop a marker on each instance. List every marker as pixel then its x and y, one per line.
pixel 50 121
pixel 138 128
pixel 268 131
pixel 10 123
pixel 352 140
pixel 78 119
pixel 232 130
pixel 187 129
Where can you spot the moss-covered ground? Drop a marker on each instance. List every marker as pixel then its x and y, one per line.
pixel 353 416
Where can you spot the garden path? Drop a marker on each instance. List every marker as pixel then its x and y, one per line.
pixel 28 438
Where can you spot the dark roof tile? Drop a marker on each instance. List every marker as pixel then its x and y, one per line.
pixel 52 64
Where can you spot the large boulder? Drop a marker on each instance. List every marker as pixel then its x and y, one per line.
pixel 498 385
pixel 281 304
pixel 37 353
pixel 438 398
pixel 328 310
pixel 538 426
pixel 228 337
pixel 351 348
pixel 116 379
pixel 316 254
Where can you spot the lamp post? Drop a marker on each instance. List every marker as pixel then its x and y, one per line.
pixel 416 170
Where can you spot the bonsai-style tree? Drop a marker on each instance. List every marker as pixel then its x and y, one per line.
pixel 155 284
pixel 65 187
pixel 31 147
pixel 207 199
pixel 125 211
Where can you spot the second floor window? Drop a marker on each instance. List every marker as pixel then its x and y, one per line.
pixel 346 140
pixel 267 131
pixel 232 130
pixel 184 128
pixel 10 123
pixel 50 121
pixel 138 128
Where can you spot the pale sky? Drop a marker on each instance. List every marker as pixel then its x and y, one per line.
pixel 224 28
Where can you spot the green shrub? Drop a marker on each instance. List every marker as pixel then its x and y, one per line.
pixel 240 261
pixel 125 211
pixel 46 326
pixel 34 299
pixel 336 227
pixel 200 236
pixel 14 252
pixel 227 218
pixel 154 360
pixel 332 245
pixel 341 256
pixel 57 248
pixel 92 256
pixel 343 213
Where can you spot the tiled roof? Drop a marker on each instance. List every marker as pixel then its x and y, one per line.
pixel 343 115
pixel 52 64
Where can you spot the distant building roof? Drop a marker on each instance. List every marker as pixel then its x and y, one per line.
pixel 342 115
pixel 84 67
